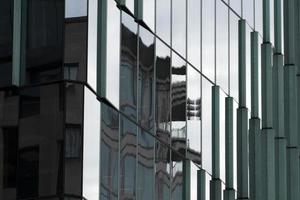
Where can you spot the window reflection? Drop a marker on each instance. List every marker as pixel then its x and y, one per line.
pixel 128 105
pixel 55 33
pixel 109 153
pixel 177 177
pixel 194 112
pixel 6 33
pixel 178 88
pixel 148 12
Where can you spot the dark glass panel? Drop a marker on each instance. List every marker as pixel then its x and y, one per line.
pixel 41 146
pixel 6 41
pixel 73 138
pixel 162 172
pixel 9 114
pixel 128 105
pixel 75 40
pixel 43 37
pixel 109 153
pixel 178 88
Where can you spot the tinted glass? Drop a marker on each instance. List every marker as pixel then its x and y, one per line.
pixel 73 138
pixel 128 105
pixel 75 40
pixel 41 146
pixel 6 34
pixel 43 39
pixel 145 184
pixel 109 153
pixel 178 95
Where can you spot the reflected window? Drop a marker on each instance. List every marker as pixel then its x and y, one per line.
pixel 73 142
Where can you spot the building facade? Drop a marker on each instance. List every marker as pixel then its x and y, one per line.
pixel 149 99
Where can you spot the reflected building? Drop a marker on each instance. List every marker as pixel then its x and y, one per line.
pixel 136 100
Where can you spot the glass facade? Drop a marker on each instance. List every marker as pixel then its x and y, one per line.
pixel 148 135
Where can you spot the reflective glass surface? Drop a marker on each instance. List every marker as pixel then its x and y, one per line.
pixel 222 45
pixel 194 32
pixel 40 145
pixel 208 44
pixel 145 168
pixel 206 125
pixel 178 103
pixel 128 105
pixel 177 177
pixel 163 20
pixel 194 111
pixel 149 13
pixel 109 153
pixel 6 42
pixel 74 97
pixel 179 26
pixel 234 56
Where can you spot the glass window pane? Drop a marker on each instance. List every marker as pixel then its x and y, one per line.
pixel 74 96
pixel 248 11
pixel 162 172
pixel 194 32
pixel 146 79
pixel 39 161
pixel 109 153
pixel 148 13
pixel 194 115
pixel 6 42
pixel 179 26
pixel 206 125
pixel 222 45
pixel 43 38
pixel 208 67
pixel 236 6
pixel 145 185
pixel 91 146
pixel 178 88
pixel 130 5
pixel 234 56
pixel 113 53
pixel 177 177
pixel 163 20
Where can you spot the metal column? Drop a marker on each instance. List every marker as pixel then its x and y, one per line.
pixel 215 183
pixel 229 192
pixel 254 125
pixel 290 99
pixel 267 132
pixel 201 185
pixel 278 106
pixel 242 119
